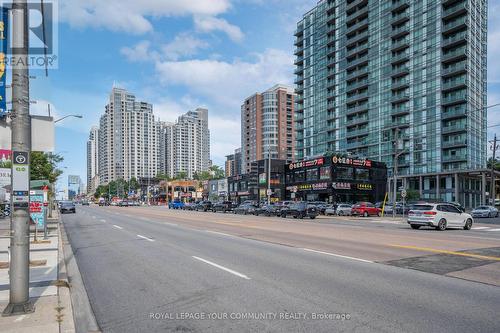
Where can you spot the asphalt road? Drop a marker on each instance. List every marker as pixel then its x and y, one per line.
pixel 154 270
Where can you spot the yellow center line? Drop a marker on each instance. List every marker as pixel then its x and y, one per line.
pixel 427 249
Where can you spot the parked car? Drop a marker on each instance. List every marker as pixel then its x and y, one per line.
pixel 300 210
pixel 85 203
pixel 204 206
pixel 67 207
pixel 485 211
pixel 123 203
pixel 245 209
pixel 440 216
pixel 189 206
pixel 267 210
pixel 343 210
pixel 224 206
pixel 365 209
pixel 176 204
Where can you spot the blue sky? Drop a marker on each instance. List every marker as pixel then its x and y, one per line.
pixel 179 55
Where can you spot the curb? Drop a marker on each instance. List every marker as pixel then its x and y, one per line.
pixel 64 308
pixel 83 315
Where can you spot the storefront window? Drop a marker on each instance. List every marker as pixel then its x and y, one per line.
pixel 362 174
pixel 312 174
pixel 325 173
pixel 345 173
pixel 289 178
pixel 299 176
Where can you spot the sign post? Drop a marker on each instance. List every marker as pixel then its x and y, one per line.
pixel 19 302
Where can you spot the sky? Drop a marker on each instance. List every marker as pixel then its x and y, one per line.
pixel 179 55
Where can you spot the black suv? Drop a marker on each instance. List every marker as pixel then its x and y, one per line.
pixel 225 206
pixel 300 210
pixel 204 206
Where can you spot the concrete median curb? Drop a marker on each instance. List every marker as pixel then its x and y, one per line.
pixel 84 318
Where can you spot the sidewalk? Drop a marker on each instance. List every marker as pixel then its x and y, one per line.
pixel 48 284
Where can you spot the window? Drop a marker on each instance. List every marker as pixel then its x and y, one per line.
pixel 299 176
pixel 312 174
pixel 325 173
pixel 345 173
pixel 362 174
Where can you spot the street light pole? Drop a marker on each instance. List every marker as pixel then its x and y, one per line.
pixel 19 302
pixel 269 174
pixel 494 148
pixel 69 115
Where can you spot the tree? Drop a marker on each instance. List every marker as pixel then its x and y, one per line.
pixel 44 166
pixel 133 184
pixel 217 172
pixel 495 164
pixel 181 175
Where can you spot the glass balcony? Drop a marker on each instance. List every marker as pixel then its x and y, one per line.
pixel 359 72
pixel 400 5
pixel 398 98
pixel 399 84
pixel 455 10
pixel 400 18
pixel 361 24
pixel 400 44
pixel 355 39
pixel 357 109
pixel 357 97
pixel 400 31
pixel 455 84
pixel 358 132
pixel 355 3
pixel 400 57
pixel 357 49
pixel 456 112
pixel 453 158
pixel 455 54
pixel 357 120
pixel 357 85
pixel 454 143
pixel 356 144
pixel 454 128
pixel 457 24
pixel 462 36
pixel 454 98
pixel 454 69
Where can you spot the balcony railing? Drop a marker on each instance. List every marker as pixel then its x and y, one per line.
pixel 454 128
pixel 453 158
pixel 357 97
pixel 455 98
pixel 454 113
pixel 359 72
pixel 454 69
pixel 459 8
pixel 455 24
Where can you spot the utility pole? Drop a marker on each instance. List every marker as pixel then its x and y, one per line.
pixel 395 172
pixel 268 174
pixel 494 148
pixel 19 302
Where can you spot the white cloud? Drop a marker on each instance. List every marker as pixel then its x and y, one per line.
pixel 131 15
pixel 226 84
pixel 183 45
pixel 211 23
pixel 139 52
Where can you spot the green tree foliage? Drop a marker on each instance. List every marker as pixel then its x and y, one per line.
pixel 495 164
pixel 44 166
pixel 217 172
pixel 181 175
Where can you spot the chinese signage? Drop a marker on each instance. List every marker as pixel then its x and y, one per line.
pixel 366 187
pixel 304 164
pixel 262 178
pixel 351 161
pixel 37 209
pixel 341 186
pixel 308 187
pixel 4 18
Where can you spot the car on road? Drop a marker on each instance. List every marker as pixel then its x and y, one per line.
pixel 300 210
pixel 123 203
pixel 245 209
pixel 365 209
pixel 224 206
pixel 176 204
pixel 189 206
pixel 267 210
pixel 85 203
pixel 440 216
pixel 485 211
pixel 67 207
pixel 204 206
pixel 343 210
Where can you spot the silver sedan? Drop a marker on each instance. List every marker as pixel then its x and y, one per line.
pixel 485 211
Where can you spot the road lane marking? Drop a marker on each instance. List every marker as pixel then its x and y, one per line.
pixel 146 238
pixel 427 249
pixel 219 233
pixel 493 230
pixel 222 267
pixel 20 318
pixel 117 226
pixel 480 228
pixel 337 255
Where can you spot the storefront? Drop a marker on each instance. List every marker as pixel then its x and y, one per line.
pixel 336 179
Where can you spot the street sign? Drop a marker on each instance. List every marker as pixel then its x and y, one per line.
pixel 403 194
pixel 269 192
pixel 20 178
